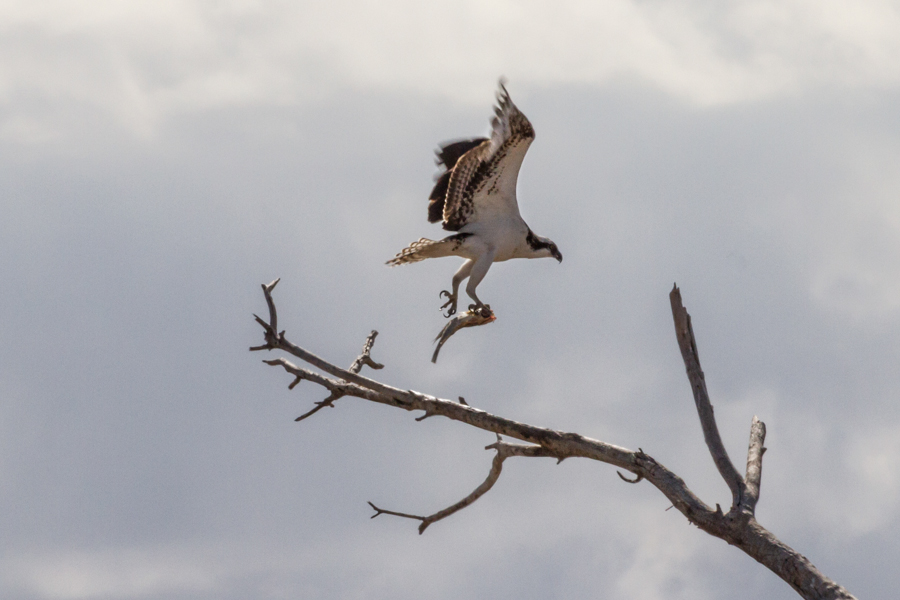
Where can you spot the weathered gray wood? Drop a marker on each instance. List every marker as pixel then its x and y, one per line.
pixel 754 464
pixel 688 346
pixel 738 526
pixel 504 451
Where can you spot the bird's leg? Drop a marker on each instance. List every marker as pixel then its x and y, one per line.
pixel 478 271
pixel 452 297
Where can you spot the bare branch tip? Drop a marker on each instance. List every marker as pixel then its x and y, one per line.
pixel 637 478
pixel 307 414
pixel 329 402
pixel 365 358
pixel 496 445
pixel 264 325
pixel 372 364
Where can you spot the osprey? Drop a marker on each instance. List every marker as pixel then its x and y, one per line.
pixel 475 195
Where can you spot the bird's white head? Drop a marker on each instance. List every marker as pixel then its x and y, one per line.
pixel 543 247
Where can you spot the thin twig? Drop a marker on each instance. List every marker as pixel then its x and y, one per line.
pixel 365 358
pixel 504 451
pixel 382 511
pixel 637 479
pixel 329 402
pixel 271 328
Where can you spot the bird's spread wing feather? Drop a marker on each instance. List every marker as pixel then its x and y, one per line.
pixel 447 156
pixel 482 180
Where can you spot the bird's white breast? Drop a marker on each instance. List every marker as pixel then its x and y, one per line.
pixel 505 235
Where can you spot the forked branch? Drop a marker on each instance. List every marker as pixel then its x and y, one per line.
pixel 737 527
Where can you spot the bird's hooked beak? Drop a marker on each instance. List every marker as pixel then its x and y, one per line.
pixel 557 254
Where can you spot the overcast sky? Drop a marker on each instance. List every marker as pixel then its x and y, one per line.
pixel 161 160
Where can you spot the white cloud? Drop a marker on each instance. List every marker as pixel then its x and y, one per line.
pixel 663 565
pixel 871 495
pixel 140 62
pixel 113 573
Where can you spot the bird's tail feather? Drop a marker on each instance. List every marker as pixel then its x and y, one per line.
pixel 419 250
pixel 424 248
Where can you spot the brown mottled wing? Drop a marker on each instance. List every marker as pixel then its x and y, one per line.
pixel 447 156
pixel 482 184
pixel 459 203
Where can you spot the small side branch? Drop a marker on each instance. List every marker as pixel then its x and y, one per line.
pixel 329 402
pixel 300 374
pixel 382 511
pixel 754 464
pixel 365 358
pixel 688 345
pixel 504 451
pixel 337 388
pixel 276 340
pixel 271 328
pixel 637 478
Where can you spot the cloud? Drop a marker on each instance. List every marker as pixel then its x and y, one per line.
pixel 123 573
pixel 107 57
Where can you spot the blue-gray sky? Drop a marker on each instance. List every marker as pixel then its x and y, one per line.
pixel 162 160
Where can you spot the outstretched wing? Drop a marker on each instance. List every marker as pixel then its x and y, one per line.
pixel 482 180
pixel 447 156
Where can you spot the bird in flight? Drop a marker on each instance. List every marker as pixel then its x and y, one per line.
pixel 475 196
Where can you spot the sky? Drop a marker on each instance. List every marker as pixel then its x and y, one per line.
pixel 161 160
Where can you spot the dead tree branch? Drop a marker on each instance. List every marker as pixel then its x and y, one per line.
pixel 754 464
pixel 688 345
pixel 738 526
pixel 504 451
